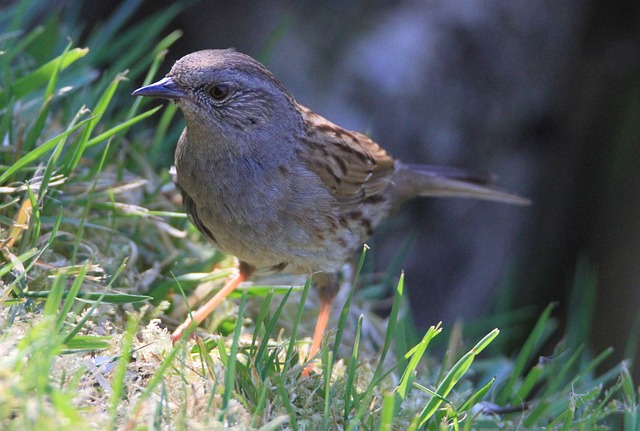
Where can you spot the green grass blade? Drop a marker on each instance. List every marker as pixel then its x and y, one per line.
pixel 34 221
pixel 269 330
pixel 477 396
pixel 229 375
pixel 77 150
pixel 160 134
pixel 296 323
pixel 393 318
pixel 539 334
pixel 286 401
pixel 109 298
pixel 455 375
pixel 415 355
pixel 121 127
pixel 87 207
pixel 261 403
pixel 70 297
pixel 260 320
pixel 350 390
pixel 35 154
pixel 100 40
pixel 592 366
pixel 581 305
pixel 344 314
pixel 39 77
pixel 327 366
pixel 222 351
pixel 36 129
pixel 160 52
pixel 86 343
pixel 137 56
pixel 206 359
pixel 54 229
pixel 54 298
pixel 377 374
pixel 17 262
pixel 22 43
pixel 117 273
pixel 534 377
pixel 388 412
pixel 261 291
pixel 53 159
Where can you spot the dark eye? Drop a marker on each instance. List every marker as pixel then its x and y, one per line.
pixel 219 91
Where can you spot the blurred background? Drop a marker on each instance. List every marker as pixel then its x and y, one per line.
pixel 544 94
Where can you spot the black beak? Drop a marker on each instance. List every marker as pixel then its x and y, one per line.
pixel 164 89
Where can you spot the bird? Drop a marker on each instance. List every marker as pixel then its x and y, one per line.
pixel 280 187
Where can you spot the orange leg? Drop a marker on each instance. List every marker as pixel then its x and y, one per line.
pixel 328 289
pixel 196 318
pixel 321 326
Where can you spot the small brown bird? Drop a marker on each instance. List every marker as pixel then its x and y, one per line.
pixel 280 187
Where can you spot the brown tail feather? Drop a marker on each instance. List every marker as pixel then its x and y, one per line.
pixel 441 181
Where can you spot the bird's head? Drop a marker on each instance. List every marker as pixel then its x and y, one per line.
pixel 225 94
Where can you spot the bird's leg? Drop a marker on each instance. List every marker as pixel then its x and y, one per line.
pixel 245 271
pixel 328 287
pixel 321 326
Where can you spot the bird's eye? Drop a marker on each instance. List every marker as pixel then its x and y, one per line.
pixel 219 91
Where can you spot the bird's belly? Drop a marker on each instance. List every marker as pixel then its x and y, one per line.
pixel 279 243
pixel 267 236
pixel 295 228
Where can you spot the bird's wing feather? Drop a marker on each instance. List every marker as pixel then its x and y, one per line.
pixel 351 165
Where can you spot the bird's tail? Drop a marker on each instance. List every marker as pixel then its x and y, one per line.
pixel 442 181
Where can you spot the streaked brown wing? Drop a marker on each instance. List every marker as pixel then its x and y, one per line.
pixel 352 166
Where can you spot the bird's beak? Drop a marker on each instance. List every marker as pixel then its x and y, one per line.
pixel 164 89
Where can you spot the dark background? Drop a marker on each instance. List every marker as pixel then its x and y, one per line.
pixel 545 94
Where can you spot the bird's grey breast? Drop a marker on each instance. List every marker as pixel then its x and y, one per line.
pixel 233 201
pixel 263 212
